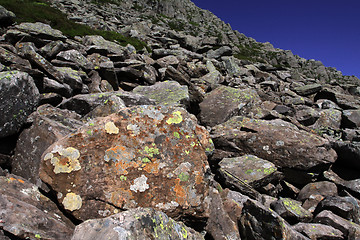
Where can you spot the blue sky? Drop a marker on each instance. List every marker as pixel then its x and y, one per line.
pixel 328 31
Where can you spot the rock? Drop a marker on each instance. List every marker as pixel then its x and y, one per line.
pixel 53 99
pixel 77 58
pixel 253 226
pixel 323 188
pixel 50 85
pixel 351 185
pixel 225 102
pixel 6 17
pixel 349 154
pixel 219 224
pixel 291 210
pixel 19 97
pixel 71 77
pixel 277 141
pixel 218 53
pixel 351 118
pixel 252 170
pixel 213 77
pixel 345 226
pixel 117 162
pixel 41 30
pixel 233 68
pixel 97 44
pixel 167 61
pixel 344 101
pixel 3 236
pixel 84 103
pixel 307 115
pixel 318 231
pixel 328 119
pixel 308 89
pixel 26 213
pixel 50 50
pixel 169 93
pixel 138 223
pixel 345 207
pixel 49 124
pixel 8 58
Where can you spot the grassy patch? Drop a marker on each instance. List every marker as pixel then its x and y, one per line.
pixel 40 11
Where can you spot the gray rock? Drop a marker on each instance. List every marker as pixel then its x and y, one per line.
pixel 138 223
pixel 328 119
pixel 71 77
pixel 169 93
pixel 168 60
pixel 26 213
pixel 50 85
pixel 351 185
pixel 6 17
pixel 352 118
pixel 225 102
pixel 218 53
pixel 307 115
pixel 97 44
pixel 291 210
pixel 19 97
pixel 318 231
pixel 345 226
pixel 308 89
pixel 77 58
pixel 50 50
pixel 9 58
pixel 49 125
pixel 277 141
pixel 41 30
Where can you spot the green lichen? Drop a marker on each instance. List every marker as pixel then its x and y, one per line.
pixel 89 132
pixel 146 160
pixel 123 178
pixel 249 171
pixel 151 151
pixel 37 236
pixel 176 119
pixel 184 177
pixel 176 134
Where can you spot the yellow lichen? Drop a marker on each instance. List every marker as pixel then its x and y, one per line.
pixel 111 128
pixel 72 202
pixel 177 118
pixel 64 160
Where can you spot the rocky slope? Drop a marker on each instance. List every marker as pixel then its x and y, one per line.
pixel 193 132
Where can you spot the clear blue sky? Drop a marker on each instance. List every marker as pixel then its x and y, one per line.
pixel 328 31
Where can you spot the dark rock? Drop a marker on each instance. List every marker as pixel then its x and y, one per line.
pixel 9 58
pixel 225 102
pixel 345 226
pixel 26 213
pixel 285 110
pixel 19 97
pixel 307 115
pixel 95 82
pixel 117 162
pixel 71 77
pixel 318 188
pixel 50 85
pixel 308 89
pixel 345 207
pixel 138 223
pixel 219 224
pixel 252 170
pixel 318 231
pixel 351 118
pixel 53 99
pixel 49 125
pixel 218 53
pixel 352 185
pixel 6 17
pixel 169 93
pixel 50 50
pixel 277 141
pixel 349 154
pixel 291 210
pixel 259 222
pixel 77 58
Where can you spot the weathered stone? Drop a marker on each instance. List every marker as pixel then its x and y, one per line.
pixel 169 93
pixel 77 58
pixel 345 101
pixel 138 223
pixel 352 118
pixel 252 170
pixel 168 60
pixel 6 17
pixel 307 115
pixel 118 162
pixel 71 77
pixel 277 141
pixel 291 210
pixel 232 67
pixel 345 226
pixel 26 213
pixel 213 77
pixel 3 236
pixel 84 103
pixel 219 224
pixel 19 97
pixel 9 58
pixel 345 207
pixel 259 222
pixel 50 50
pixel 53 99
pixel 328 119
pixel 225 102
pixel 323 188
pixel 50 85
pixel 352 185
pixel 97 44
pixel 308 89
pixel 49 125
pixel 218 53
pixel 41 30
pixel 318 231
pixel 349 154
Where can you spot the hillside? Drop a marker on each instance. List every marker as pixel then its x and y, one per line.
pixel 153 119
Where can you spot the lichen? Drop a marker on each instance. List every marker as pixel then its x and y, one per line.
pixel 176 119
pixel 140 184
pixel 64 160
pixel 72 202
pixel 111 128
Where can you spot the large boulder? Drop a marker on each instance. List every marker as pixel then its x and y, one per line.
pixel 19 97
pixel 148 156
pixel 6 17
pixel 28 214
pixel 225 102
pixel 277 141
pixel 139 223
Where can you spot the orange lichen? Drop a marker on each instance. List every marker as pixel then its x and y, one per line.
pixel 152 167
pixel 179 192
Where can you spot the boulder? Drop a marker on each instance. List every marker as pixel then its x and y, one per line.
pixel 218 53
pixel 97 44
pixel 41 30
pixel 169 93
pixel 225 102
pixel 353 186
pixel 328 119
pixel 6 17
pixel 19 97
pixel 349 154
pixel 308 89
pixel 277 141
pixel 10 59
pixel 138 223
pixel 26 213
pixel 50 85
pixel 351 118
pixel 72 77
pixel 291 210
pixel 49 124
pixel 323 188
pixel 148 156
pixel 318 231
pixel 259 222
pixel 77 58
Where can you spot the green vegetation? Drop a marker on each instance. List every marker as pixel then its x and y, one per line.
pixel 40 11
pixel 177 25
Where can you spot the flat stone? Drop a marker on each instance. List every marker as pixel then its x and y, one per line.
pixel 352 118
pixel 41 30
pixel 318 231
pixel 323 188
pixel 291 210
pixel 308 89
